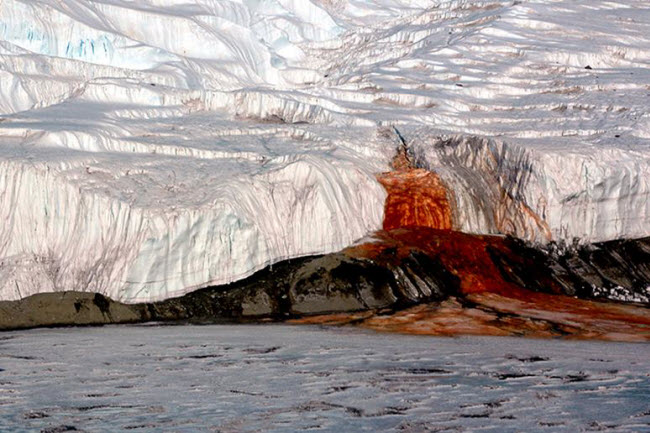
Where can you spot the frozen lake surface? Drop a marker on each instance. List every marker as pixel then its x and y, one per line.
pixel 277 378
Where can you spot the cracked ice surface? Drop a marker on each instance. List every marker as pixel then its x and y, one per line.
pixel 149 148
pixel 280 378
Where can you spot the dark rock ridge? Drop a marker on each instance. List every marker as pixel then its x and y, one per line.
pixel 615 270
pixel 314 285
pixel 374 276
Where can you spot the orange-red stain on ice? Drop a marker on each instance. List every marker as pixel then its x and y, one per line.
pixel 492 305
pixel 418 216
pixel 488 304
pixel 416 198
pixel 464 255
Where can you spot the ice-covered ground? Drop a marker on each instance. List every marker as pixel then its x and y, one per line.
pixel 149 148
pixel 279 378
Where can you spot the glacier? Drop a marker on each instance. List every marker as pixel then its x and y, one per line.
pixel 151 148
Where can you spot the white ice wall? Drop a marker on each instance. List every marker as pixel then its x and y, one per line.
pixel 57 235
pixel 585 194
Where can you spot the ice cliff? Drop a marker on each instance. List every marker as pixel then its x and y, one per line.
pixel 149 148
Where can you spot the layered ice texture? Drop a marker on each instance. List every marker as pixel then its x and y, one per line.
pixel 148 148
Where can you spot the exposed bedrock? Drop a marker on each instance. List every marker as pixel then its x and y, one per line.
pixel 395 270
pixel 338 282
pixel 510 287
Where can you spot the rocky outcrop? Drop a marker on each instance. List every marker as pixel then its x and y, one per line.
pixel 395 270
pixel 616 270
pixel 331 283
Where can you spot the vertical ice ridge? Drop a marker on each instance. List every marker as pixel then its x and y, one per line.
pixel 501 187
pixel 56 237
pixel 59 236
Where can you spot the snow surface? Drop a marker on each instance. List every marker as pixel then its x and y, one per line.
pixel 279 378
pixel 152 147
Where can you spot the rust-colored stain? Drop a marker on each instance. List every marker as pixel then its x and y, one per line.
pixel 488 304
pixel 416 197
pixel 544 316
pixel 465 255
pixel 536 316
pixel 418 217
